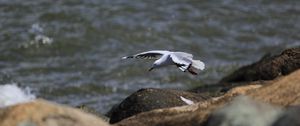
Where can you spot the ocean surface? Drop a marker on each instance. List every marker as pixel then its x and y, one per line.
pixel 69 51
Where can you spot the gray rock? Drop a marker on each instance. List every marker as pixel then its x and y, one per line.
pixel 148 99
pixel 243 111
pixel 289 118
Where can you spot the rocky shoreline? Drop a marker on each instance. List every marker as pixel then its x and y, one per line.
pixel 265 93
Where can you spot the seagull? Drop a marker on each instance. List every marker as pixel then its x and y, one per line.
pixel 184 61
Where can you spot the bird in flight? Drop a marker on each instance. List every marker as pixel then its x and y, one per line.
pixel 184 61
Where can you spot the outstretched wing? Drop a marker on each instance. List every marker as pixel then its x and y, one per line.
pixel 183 54
pixel 182 62
pixel 154 54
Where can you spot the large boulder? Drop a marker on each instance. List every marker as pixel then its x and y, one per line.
pixel 268 68
pixel 284 91
pixel 43 113
pixel 148 99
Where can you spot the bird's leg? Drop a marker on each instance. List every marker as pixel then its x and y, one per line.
pixel 151 69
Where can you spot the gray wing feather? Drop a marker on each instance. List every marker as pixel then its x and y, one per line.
pixel 183 54
pixel 154 54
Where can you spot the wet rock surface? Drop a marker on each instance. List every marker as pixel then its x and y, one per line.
pixel 149 99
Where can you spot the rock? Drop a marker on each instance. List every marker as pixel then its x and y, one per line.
pixel 216 90
pixel 267 68
pixel 43 113
pixel 183 115
pixel 211 90
pixel 243 111
pixel 149 99
pixel 289 118
pixel 92 111
pixel 284 91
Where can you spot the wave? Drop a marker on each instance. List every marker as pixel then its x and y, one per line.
pixel 11 94
pixel 37 37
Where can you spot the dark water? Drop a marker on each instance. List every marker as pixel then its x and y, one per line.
pixel 69 51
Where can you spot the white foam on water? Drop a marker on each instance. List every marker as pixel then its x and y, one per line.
pixel 11 94
pixel 36 29
pixel 39 37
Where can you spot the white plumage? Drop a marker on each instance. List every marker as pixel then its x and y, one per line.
pixel 184 61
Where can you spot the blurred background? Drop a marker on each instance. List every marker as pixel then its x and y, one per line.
pixel 69 51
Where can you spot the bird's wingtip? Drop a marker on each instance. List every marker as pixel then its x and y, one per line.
pixel 202 66
pixel 126 57
pixel 198 64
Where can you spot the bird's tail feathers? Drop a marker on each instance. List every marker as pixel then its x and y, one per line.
pixel 197 64
pixel 193 68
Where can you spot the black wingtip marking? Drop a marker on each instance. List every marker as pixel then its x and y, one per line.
pixel 126 57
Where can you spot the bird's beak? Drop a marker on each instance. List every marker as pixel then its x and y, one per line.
pixel 151 68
